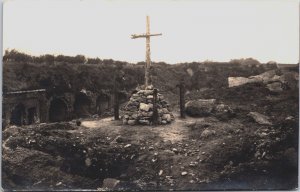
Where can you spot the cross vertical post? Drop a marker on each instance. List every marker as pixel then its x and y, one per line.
pixel 148 60
pixel 147 35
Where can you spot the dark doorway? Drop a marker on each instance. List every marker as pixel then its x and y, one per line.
pixel 18 115
pixel 58 110
pixel 102 104
pixel 82 105
pixel 32 115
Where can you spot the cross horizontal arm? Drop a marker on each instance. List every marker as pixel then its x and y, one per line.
pixel 134 36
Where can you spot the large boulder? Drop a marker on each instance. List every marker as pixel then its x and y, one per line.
pixel 238 81
pixel 200 107
pixel 266 77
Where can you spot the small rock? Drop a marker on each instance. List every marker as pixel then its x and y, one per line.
pixel 119 139
pixel 184 173
pixel 151 148
pixel 275 87
pixel 167 117
pixel 131 122
pixel 124 121
pixel 144 107
pixel 128 145
pixel 88 162
pixel 150 97
pixel 174 150
pixel 160 172
pixel 110 183
pixel 78 122
pixel 144 122
pixel 259 118
pixel 207 133
pixel 289 118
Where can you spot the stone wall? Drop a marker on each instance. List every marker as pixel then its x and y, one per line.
pixel 24 107
pixel 139 109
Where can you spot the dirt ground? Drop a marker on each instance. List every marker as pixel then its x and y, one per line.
pixel 204 153
pixel 229 155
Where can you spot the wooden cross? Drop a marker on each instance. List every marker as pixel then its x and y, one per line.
pixel 147 35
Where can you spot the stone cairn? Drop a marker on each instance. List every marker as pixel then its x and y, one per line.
pixel 139 109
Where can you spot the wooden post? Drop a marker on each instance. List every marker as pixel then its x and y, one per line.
pixel 181 99
pixel 155 112
pixel 116 99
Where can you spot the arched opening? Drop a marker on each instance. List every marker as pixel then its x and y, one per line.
pixel 82 105
pixel 102 104
pixel 58 110
pixel 18 115
pixel 32 115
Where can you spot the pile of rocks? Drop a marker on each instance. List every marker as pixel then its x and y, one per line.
pixel 139 109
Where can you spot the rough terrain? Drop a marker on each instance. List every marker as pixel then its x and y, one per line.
pixel 200 153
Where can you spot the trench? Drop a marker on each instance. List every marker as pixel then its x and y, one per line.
pixel 96 165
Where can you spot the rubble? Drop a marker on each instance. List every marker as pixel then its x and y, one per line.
pixel 139 109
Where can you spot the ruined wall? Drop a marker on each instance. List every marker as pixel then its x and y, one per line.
pixel 35 106
pixel 24 107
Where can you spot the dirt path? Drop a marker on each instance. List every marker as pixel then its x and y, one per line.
pixel 174 132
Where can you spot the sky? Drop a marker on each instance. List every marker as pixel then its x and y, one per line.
pixel 192 30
